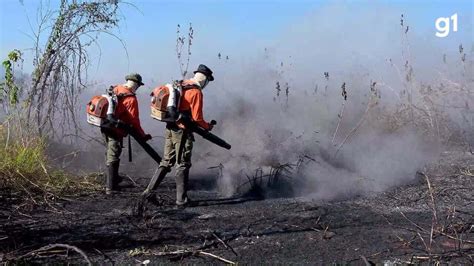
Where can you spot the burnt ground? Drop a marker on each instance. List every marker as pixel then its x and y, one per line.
pixel 391 226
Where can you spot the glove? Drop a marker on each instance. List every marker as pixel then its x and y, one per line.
pixel 211 126
pixel 147 137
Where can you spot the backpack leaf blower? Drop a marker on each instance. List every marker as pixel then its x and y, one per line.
pixel 164 103
pixel 100 113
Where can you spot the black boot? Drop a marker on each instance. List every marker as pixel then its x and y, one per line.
pixel 182 179
pixel 112 178
pixel 118 178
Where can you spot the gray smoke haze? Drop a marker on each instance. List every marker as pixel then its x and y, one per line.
pixel 267 130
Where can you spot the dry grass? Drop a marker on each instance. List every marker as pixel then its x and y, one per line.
pixel 447 237
pixel 26 171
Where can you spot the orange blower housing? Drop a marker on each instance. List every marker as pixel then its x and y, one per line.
pixel 159 102
pixel 97 110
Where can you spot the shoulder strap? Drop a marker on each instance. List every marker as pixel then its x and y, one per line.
pixel 186 86
pixel 126 94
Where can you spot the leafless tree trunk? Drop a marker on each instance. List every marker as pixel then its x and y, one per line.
pixel 60 67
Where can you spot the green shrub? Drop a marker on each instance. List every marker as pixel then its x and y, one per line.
pixel 26 158
pixel 24 168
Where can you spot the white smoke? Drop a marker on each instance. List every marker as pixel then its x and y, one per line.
pixel 355 48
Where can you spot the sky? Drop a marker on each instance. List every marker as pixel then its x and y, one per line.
pixel 236 28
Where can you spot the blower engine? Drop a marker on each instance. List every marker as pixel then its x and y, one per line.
pixel 165 102
pixel 100 109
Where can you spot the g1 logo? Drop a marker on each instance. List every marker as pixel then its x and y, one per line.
pixel 442 25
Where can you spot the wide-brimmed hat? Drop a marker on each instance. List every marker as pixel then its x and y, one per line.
pixel 135 77
pixel 206 71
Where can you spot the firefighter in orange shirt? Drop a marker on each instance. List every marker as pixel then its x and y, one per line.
pixel 126 111
pixel 179 140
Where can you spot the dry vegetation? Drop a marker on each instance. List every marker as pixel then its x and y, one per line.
pixel 28 176
pixel 38 113
pixel 30 180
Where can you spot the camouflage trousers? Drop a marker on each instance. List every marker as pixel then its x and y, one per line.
pixel 114 148
pixel 178 151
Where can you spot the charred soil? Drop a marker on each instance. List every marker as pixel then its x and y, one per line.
pixel 412 223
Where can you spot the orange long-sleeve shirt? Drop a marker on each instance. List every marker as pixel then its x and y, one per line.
pixel 127 109
pixel 192 101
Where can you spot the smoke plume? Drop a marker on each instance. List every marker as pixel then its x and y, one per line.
pixel 281 104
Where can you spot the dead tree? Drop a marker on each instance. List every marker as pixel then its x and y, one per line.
pixel 60 66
